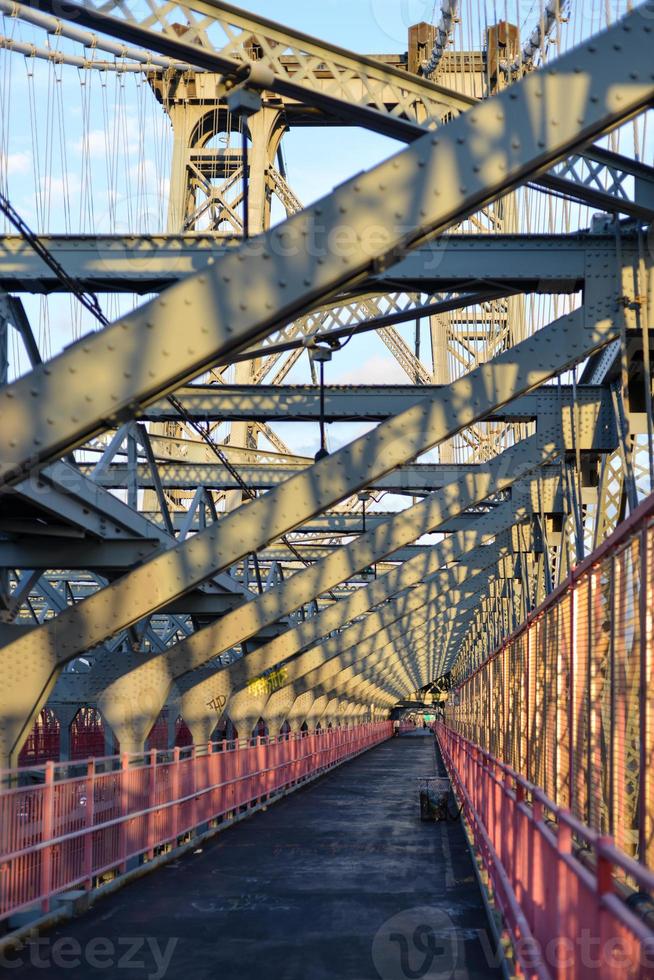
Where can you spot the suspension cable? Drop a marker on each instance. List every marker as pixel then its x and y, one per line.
pixel 88 299
pixel 554 11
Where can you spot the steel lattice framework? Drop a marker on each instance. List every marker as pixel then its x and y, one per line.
pixel 149 562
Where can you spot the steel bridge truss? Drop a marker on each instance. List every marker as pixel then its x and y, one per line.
pixel 202 569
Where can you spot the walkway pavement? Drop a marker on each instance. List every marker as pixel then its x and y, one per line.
pixel 340 881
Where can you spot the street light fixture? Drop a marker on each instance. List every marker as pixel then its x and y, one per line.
pixel 321 355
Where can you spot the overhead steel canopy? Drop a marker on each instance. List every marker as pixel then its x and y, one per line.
pixel 159 559
pixel 424 189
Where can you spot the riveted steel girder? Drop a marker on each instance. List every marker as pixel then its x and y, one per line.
pixel 532 148
pixel 414 479
pixel 454 561
pixel 344 403
pixel 332 523
pixel 396 649
pixel 122 694
pixel 424 189
pixel 151 263
pixel 391 662
pixel 366 550
pixel 325 661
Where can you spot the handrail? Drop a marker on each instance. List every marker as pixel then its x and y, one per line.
pixel 623 533
pixel 67 832
pixel 564 919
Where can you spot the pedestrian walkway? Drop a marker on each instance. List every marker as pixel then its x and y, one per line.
pixel 339 881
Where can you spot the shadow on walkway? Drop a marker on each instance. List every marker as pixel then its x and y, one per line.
pixel 340 881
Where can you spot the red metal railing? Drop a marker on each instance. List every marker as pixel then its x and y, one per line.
pixel 565 918
pixel 66 832
pixel 568 701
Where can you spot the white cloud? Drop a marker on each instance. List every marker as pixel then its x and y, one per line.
pixel 145 170
pixel 93 143
pixel 59 188
pixel 15 163
pixel 377 369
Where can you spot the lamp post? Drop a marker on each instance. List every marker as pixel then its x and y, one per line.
pixel 363 496
pixel 320 355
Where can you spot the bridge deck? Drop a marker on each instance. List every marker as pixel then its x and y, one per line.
pixel 332 882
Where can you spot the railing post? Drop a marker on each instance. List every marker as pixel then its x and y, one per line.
pixel 152 800
pixel 605 886
pixel 124 811
pixel 520 865
pixel 565 969
pixel 47 828
pixel 604 867
pixel 506 830
pixel 89 821
pixel 194 802
pixel 175 792
pixel 538 912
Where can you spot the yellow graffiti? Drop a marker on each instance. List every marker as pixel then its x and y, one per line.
pixel 269 683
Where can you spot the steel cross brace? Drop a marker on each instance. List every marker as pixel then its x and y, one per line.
pixel 383 540
pixel 393 667
pixel 157 673
pixel 427 187
pixel 426 581
pixel 205 693
pixel 319 669
pixel 159 580
pixel 391 661
pixel 208 687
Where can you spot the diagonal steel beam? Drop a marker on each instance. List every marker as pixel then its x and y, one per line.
pixel 302 649
pixel 159 580
pixel 391 665
pixel 321 664
pixel 125 683
pixel 389 660
pixel 426 188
